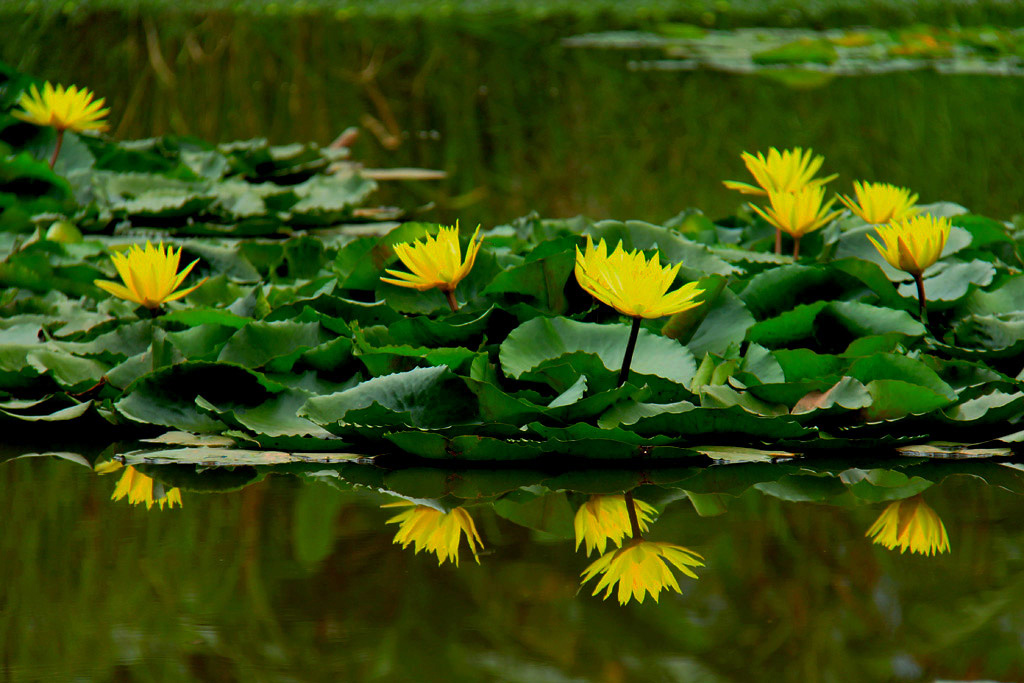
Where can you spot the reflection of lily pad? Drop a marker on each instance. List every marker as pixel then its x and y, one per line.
pixel 799 79
pixel 206 456
pixel 798 52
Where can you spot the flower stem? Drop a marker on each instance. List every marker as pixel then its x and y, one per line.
pixel 56 149
pixel 778 241
pixel 452 303
pixel 919 279
pixel 634 332
pixel 633 522
pixel 796 248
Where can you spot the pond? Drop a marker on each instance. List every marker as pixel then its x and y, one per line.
pixel 797 464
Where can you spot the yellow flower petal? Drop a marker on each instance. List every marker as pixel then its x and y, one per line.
pixel 631 284
pixel 435 262
pixel 912 244
pixel 434 531
pixel 912 525
pixel 798 213
pixel 606 518
pixel 140 488
pixel 64 109
pixel 880 202
pixel 149 275
pixel 786 171
pixel 639 569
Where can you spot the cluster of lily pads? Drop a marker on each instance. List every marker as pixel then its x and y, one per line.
pixel 298 343
pixel 321 338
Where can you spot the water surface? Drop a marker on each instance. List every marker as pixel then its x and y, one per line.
pixel 289 580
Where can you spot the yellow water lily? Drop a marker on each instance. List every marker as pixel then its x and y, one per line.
pixel 434 531
pixel 640 568
pixel 604 518
pixel 435 262
pixel 786 171
pixel 631 284
pixel 913 244
pixel 61 108
pixel 912 525
pixel 140 488
pixel 880 202
pixel 798 213
pixel 150 275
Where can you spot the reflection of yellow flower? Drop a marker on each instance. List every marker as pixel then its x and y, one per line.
pixel 798 213
pixel 64 109
pixel 140 488
pixel 631 284
pixel 435 531
pixel 880 202
pixel 788 171
pixel 435 262
pixel 913 244
pixel 639 567
pixel 605 518
pixel 150 275
pixel 910 524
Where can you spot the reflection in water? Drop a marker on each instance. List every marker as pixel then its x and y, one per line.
pixel 435 531
pixel 639 568
pixel 285 578
pixel 139 487
pixel 605 518
pixel 910 523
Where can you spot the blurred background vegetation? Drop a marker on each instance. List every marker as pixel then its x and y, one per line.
pixel 518 121
pixel 722 13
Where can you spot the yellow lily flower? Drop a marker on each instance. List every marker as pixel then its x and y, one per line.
pixel 64 109
pixel 798 213
pixel 913 244
pixel 910 524
pixel 435 531
pixel 150 275
pixel 631 284
pixel 641 567
pixel 435 262
pixel 786 171
pixel 880 202
pixel 140 488
pixel 606 518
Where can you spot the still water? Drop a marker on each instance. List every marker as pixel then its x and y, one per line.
pixel 293 579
